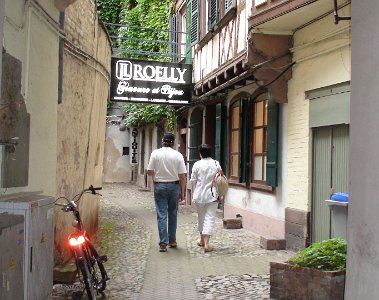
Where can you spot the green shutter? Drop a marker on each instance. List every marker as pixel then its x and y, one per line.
pixel 188 31
pixel 194 22
pixel 224 139
pixel 212 13
pixel 272 142
pixel 173 36
pixel 245 140
pixel 217 149
pixel 195 137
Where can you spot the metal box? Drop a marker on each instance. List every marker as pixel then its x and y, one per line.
pixel 26 246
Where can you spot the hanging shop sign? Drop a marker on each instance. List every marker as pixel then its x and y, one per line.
pixel 140 81
pixel 134 144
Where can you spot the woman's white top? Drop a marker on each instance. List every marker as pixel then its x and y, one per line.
pixel 203 173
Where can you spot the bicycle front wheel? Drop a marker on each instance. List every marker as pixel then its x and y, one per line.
pixel 85 270
pixel 98 273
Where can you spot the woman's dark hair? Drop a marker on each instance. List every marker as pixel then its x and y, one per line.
pixel 205 150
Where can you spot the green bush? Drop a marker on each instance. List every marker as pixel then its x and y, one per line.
pixel 328 255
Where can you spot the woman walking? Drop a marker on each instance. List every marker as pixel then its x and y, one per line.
pixel 206 198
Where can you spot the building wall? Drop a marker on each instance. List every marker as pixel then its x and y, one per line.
pixel 223 46
pixel 262 212
pixel 322 52
pixel 81 115
pixel 31 35
pixel 117 167
pixel 363 237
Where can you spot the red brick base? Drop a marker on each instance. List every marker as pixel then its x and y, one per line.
pixel 232 223
pixel 290 282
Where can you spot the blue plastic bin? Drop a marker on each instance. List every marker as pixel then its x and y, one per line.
pixel 341 197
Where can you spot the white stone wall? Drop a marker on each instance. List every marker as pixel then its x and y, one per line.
pixel 322 52
pixel 31 36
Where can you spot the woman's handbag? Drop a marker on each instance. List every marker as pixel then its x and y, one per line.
pixel 220 183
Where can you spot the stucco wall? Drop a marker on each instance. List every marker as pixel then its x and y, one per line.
pixel 363 234
pixel 322 52
pixel 81 115
pixel 31 36
pixel 117 167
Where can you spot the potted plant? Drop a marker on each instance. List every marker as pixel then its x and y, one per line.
pixel 315 272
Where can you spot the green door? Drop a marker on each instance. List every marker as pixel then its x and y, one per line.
pixel 330 174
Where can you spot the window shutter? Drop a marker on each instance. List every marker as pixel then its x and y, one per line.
pixel 188 31
pixel 194 22
pixel 218 133
pixel 224 140
pixel 245 138
pixel 228 5
pixel 213 13
pixel 173 36
pixel 195 137
pixel 272 142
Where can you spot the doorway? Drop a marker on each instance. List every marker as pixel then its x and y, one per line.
pixel 330 174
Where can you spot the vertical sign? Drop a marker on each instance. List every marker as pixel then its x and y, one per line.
pixel 134 143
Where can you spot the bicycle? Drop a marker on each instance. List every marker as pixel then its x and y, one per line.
pixel 89 264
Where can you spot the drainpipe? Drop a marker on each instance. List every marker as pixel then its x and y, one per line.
pixel 60 64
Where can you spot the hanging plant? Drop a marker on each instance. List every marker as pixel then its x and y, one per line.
pixel 138 114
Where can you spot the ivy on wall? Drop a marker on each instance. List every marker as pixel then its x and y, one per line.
pixel 147 30
pixel 138 114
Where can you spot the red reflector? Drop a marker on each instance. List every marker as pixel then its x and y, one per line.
pixel 76 241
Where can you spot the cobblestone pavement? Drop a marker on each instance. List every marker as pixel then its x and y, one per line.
pixel 128 241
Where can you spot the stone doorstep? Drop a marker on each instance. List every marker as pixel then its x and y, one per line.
pixel 64 277
pixel 272 243
pixel 232 223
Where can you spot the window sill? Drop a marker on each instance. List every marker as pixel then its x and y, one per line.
pixel 253 186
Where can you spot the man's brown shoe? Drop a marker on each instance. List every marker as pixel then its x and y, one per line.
pixel 162 248
pixel 173 244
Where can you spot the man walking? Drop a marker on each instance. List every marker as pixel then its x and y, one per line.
pixel 167 167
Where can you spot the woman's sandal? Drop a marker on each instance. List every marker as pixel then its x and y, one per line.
pixel 199 243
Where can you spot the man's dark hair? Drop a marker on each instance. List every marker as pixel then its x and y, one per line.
pixel 205 150
pixel 168 139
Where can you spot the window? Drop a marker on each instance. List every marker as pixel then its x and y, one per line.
pixel 235 151
pixel 253 141
pixel 259 132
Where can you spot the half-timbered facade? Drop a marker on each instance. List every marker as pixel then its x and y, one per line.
pixel 233 111
pixel 264 73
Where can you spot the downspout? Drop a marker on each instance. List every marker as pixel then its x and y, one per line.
pixel 60 62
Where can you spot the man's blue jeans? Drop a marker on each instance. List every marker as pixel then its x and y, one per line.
pixel 166 204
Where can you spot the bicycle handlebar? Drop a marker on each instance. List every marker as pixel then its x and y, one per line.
pixel 78 196
pixel 94 189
